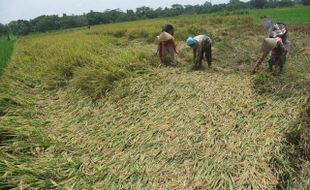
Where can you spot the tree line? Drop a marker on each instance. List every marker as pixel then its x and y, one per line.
pixel 46 23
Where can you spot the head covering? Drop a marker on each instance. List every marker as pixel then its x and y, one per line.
pixel 269 44
pixel 278 30
pixel 164 36
pixel 190 41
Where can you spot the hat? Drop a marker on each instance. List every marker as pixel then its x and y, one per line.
pixel 164 36
pixel 278 30
pixel 268 44
pixel 190 41
pixel 277 33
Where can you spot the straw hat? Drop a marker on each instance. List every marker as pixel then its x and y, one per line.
pixel 164 36
pixel 269 44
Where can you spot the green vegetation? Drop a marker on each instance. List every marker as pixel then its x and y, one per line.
pixel 295 15
pixel 46 23
pixel 6 47
pixel 94 109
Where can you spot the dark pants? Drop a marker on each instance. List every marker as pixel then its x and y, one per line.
pixel 206 51
pixel 208 54
pixel 278 61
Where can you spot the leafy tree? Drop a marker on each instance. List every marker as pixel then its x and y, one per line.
pixel 2 30
pixel 306 2
pixel 177 9
pixel 236 4
pixel 94 18
pixel 145 12
pixel 258 4
pixel 20 27
pixel 115 15
pixel 285 3
pixel 45 23
pixel 130 14
pixel 73 21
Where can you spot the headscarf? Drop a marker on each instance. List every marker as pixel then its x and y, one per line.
pixel 190 41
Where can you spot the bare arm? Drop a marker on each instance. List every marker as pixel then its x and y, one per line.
pixel 282 47
pixel 260 61
pixel 157 51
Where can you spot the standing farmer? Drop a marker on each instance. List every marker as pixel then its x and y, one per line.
pixel 166 48
pixel 202 45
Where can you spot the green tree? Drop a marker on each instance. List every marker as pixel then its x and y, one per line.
pixel 258 4
pixel 145 12
pixel 2 30
pixel 45 23
pixel 236 4
pixel 94 18
pixel 20 27
pixel 131 15
pixel 73 21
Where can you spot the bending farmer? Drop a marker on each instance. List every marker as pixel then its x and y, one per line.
pixel 166 48
pixel 202 45
pixel 278 44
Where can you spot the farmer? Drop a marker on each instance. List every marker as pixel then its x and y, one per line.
pixel 166 48
pixel 202 45
pixel 278 44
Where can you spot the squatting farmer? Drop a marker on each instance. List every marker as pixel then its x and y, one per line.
pixel 166 48
pixel 201 45
pixel 278 44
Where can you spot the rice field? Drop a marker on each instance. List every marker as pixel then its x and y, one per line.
pixel 95 109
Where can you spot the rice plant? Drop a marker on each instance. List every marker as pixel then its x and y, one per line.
pixel 94 109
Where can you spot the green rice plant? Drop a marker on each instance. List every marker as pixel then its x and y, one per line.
pixel 120 33
pixel 216 20
pixel 291 15
pixel 6 47
pixel 134 34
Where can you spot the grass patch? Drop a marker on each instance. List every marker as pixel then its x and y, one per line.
pixel 6 47
pixel 291 15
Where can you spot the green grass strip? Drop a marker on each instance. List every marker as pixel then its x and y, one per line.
pixel 6 49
